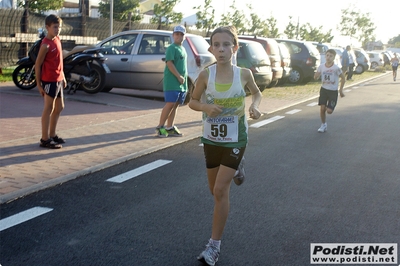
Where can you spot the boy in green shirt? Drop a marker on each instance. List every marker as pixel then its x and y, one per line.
pixel 175 84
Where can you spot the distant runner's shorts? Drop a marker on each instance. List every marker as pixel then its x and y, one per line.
pixel 54 89
pixel 394 68
pixel 328 98
pixel 174 96
pixel 217 155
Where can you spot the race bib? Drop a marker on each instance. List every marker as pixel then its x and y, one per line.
pixel 221 129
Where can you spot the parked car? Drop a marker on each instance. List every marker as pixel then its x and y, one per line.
pixel 252 55
pixel 376 59
pixel 386 58
pixel 363 63
pixel 136 58
pixel 305 60
pixel 322 48
pixel 285 62
pixel 272 48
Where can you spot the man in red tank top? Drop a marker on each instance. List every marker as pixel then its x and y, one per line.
pixel 50 81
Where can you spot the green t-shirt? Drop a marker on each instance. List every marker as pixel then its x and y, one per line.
pixel 176 54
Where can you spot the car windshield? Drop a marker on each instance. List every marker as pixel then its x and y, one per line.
pixel 313 50
pixel 199 43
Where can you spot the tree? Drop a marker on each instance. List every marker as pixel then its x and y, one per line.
pixel 258 26
pixel 236 18
pixel 395 41
pixel 310 33
pixel 273 29
pixel 205 17
pixel 42 5
pixel 164 14
pixel 357 25
pixel 291 30
pixel 122 9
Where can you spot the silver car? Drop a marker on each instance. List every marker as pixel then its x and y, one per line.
pixel 136 58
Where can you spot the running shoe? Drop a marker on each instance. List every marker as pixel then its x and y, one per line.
pixel 240 174
pixel 174 132
pixel 209 255
pixel 161 132
pixel 323 128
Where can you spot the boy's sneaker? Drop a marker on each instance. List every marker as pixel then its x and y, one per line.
pixel 323 128
pixel 209 255
pixel 238 178
pixel 174 132
pixel 161 132
pixel 50 144
pixel 58 140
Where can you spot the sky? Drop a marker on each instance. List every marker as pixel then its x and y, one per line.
pixel 316 12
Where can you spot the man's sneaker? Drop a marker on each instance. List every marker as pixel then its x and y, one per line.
pixel 209 255
pixel 174 132
pixel 58 140
pixel 50 144
pixel 161 132
pixel 323 128
pixel 240 174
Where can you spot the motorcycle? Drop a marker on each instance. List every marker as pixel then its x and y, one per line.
pixel 84 68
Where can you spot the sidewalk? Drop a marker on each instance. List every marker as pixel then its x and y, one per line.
pixel 101 130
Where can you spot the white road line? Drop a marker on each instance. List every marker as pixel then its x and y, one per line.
pixel 267 121
pixel 22 217
pixel 312 104
pixel 293 111
pixel 348 90
pixel 138 171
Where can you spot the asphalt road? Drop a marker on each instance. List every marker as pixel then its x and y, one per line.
pixel 302 187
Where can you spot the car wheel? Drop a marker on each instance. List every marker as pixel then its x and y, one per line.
pixel 359 69
pixel 262 87
pixel 374 65
pixel 273 84
pixel 295 76
pixel 282 81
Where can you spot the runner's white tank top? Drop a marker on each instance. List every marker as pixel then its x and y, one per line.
pixel 229 129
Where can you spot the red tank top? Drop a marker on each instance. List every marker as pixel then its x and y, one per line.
pixel 52 67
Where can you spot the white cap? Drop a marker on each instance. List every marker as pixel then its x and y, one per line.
pixel 180 28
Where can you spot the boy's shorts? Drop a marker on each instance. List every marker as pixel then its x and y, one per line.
pixel 328 98
pixel 54 89
pixel 217 155
pixel 174 96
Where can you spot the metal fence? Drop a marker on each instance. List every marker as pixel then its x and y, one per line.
pixel 19 32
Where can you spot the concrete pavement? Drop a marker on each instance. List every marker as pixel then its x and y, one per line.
pixel 101 130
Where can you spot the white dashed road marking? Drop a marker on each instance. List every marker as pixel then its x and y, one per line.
pixel 312 104
pixel 293 111
pixel 22 217
pixel 267 121
pixel 138 171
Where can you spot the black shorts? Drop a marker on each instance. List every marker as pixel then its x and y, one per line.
pixel 328 98
pixel 394 68
pixel 217 155
pixel 54 89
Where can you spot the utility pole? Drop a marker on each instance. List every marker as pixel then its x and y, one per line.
pixel 111 16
